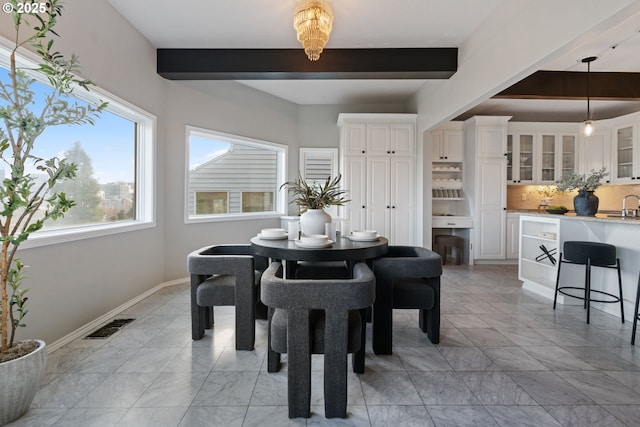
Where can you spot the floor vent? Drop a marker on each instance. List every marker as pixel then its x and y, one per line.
pixel 110 328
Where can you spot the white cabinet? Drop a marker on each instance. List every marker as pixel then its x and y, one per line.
pixel 521 161
pixel 626 154
pixel 513 235
pixel 446 145
pixel 380 174
pixel 557 156
pixel 539 253
pixel 486 142
pixel 595 152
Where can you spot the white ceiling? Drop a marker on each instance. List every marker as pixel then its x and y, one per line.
pixel 364 24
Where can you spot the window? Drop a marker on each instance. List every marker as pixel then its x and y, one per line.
pixel 211 202
pixel 113 189
pixel 233 177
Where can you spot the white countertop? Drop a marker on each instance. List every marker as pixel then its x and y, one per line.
pixel 598 218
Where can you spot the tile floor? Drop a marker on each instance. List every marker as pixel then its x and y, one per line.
pixel 505 359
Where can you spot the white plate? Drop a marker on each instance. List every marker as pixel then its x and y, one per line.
pixel 314 245
pixel 364 239
pixel 284 236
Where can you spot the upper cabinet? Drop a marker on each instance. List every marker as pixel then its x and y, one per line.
pixel 447 145
pixel 520 158
pixel 626 154
pixel 378 138
pixel 540 153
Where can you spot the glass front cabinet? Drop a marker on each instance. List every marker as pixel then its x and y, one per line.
pixel 626 162
pixel 557 157
pixel 520 158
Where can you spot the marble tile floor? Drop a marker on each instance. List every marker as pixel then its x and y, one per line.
pixel 505 359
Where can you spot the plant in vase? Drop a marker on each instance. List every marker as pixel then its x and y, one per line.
pixel 312 197
pixel 26 201
pixel 586 202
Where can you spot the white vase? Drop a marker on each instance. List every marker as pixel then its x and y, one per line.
pixel 19 380
pixel 313 221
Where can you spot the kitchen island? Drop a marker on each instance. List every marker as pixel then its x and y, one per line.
pixel 542 236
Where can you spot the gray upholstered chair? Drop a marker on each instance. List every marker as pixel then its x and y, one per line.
pixel 406 277
pixel 314 317
pixel 225 275
pixel 323 270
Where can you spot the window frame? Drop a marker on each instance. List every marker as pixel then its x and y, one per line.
pixel 144 145
pixel 280 202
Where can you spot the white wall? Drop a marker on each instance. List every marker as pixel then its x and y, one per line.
pixel 74 283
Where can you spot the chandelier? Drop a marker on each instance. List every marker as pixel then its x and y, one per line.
pixel 313 20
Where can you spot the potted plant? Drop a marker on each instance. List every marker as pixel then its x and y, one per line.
pixel 27 202
pixel 312 197
pixel 586 202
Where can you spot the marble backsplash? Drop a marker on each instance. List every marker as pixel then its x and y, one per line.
pixel 610 196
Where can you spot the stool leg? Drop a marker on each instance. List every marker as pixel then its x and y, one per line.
pixel 620 288
pixel 635 314
pixel 587 285
pixel 555 296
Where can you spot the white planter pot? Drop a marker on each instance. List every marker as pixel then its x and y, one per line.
pixel 19 380
pixel 313 221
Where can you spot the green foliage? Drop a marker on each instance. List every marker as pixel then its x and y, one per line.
pixel 588 182
pixel 315 195
pixel 27 202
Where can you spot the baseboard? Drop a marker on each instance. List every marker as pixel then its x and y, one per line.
pixel 106 318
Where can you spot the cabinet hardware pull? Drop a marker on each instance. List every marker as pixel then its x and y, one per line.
pixel 387 207
pixel 362 206
pixel 393 152
pixel 362 151
pixel 388 152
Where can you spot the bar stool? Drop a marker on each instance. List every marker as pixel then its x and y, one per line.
pixel 445 242
pixel 589 254
pixel 636 315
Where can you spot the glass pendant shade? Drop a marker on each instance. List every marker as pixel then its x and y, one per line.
pixel 313 21
pixel 587 128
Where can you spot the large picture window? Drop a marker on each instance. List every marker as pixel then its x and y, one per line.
pixel 113 188
pixel 233 177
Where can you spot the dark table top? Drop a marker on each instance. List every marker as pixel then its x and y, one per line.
pixel 343 249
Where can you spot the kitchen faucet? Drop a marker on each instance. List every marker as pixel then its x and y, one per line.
pixel 629 212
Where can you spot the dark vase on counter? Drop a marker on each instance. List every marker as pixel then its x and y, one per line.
pixel 586 203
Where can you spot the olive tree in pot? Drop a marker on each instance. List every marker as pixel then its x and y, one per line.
pixel 26 202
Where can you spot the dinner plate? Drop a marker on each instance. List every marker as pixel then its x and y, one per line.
pixel 314 245
pixel 284 236
pixel 364 239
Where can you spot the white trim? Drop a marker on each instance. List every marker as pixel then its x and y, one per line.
pixel 146 124
pixel 281 151
pixel 106 318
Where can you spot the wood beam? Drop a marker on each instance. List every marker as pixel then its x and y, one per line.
pixel 292 64
pixel 573 85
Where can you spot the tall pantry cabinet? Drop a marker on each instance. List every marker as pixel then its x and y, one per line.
pixel 378 166
pixel 484 183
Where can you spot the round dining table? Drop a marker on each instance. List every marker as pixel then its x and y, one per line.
pixel 343 249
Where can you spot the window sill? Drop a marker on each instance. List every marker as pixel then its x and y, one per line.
pixel 53 237
pixel 231 217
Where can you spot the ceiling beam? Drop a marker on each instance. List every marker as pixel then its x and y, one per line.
pixel 573 85
pixel 292 64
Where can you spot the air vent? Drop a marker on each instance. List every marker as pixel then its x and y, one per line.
pixel 110 328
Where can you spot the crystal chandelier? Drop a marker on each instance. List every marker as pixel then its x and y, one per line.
pixel 313 20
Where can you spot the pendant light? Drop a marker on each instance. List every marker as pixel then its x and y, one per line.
pixel 587 127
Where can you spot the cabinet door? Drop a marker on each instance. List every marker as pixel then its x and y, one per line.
pixel 403 140
pixel 378 194
pixel 568 158
pixel 354 139
pixel 402 200
pixel 492 141
pixel 596 153
pixel 491 205
pixel 378 139
pixel 513 236
pixel 355 179
pixel 525 158
pixel 437 141
pixel 625 153
pixel 452 145
pixel 548 159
